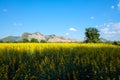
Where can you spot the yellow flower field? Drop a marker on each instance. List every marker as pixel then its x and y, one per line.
pixel 59 61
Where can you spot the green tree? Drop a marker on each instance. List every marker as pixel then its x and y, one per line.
pixel 25 40
pixel 34 40
pixel 43 41
pixel 1 41
pixel 92 35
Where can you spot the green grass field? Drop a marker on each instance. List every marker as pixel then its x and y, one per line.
pixel 59 61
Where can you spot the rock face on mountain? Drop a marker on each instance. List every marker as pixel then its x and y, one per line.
pixel 61 39
pixel 49 38
pixel 36 35
pixel 25 35
pixel 39 37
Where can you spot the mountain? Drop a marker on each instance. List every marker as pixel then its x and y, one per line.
pixel 61 39
pixel 48 38
pixel 36 35
pixel 39 37
pixel 25 35
pixel 10 39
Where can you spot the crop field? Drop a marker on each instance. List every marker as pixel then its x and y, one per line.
pixel 59 61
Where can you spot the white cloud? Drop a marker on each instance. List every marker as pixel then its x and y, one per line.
pixel 72 29
pixel 107 24
pixel 105 30
pixel 118 5
pixel 5 10
pixel 116 26
pixel 66 34
pixel 96 26
pixel 92 17
pixel 112 7
pixel 17 24
pixel 111 28
pixel 108 32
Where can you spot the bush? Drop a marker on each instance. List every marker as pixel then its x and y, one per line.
pixel 34 40
pixel 1 41
pixel 25 40
pixel 116 43
pixel 43 41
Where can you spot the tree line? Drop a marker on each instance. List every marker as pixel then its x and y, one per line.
pixel 25 40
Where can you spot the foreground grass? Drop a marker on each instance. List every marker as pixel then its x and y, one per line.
pixel 59 61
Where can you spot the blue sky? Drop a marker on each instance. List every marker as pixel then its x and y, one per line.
pixel 67 18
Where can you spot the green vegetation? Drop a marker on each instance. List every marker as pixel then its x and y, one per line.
pixel 33 40
pixel 116 43
pixel 25 40
pixel 59 61
pixel 43 41
pixel 92 35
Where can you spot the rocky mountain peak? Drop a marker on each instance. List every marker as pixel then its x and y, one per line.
pixel 39 37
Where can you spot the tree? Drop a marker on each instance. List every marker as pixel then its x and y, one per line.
pixel 1 41
pixel 34 40
pixel 92 35
pixel 25 40
pixel 43 41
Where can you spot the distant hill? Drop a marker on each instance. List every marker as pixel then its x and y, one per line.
pixel 39 36
pixel 10 39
